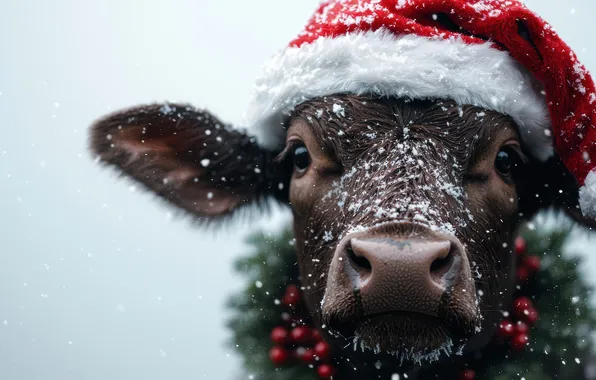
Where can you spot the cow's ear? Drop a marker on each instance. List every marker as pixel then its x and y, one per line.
pixel 189 158
pixel 550 185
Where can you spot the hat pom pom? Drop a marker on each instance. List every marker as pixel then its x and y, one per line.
pixel 587 196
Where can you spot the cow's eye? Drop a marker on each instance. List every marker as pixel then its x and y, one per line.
pixel 507 161
pixel 503 162
pixel 301 158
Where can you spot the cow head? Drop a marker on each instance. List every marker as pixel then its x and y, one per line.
pixel 404 211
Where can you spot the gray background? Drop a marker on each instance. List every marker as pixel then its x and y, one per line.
pixel 96 279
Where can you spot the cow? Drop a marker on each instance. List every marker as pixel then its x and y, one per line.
pixel 417 216
pixel 404 208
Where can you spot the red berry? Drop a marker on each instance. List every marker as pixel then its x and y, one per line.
pixel 292 288
pixel 506 328
pixel 308 356
pixel 467 374
pixel 279 356
pixel 316 335
pixel 524 302
pixel 300 334
pixel 291 296
pixel 288 301
pixel 521 328
pixel 522 274
pixel 322 350
pixel 279 335
pixel 520 246
pixel 325 371
pixel 532 263
pixel 519 342
pixel 530 316
pixel 520 305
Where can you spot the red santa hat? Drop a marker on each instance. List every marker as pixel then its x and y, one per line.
pixel 495 54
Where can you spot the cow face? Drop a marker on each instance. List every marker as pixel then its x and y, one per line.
pixel 404 211
pixel 404 215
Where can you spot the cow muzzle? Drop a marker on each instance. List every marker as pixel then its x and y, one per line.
pixel 403 273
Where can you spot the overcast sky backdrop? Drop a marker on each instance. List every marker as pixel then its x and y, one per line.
pixel 97 281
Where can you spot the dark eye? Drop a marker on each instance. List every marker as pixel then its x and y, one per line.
pixel 504 162
pixel 301 158
pixel 508 161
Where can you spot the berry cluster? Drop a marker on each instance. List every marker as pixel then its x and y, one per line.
pixel 516 326
pixel 527 265
pixel 295 341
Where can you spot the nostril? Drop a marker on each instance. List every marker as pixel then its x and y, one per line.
pixel 360 262
pixel 441 266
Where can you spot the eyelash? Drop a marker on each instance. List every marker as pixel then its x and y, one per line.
pixel 286 154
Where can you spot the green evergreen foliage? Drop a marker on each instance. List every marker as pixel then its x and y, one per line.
pixel 562 335
pixel 560 339
pixel 272 265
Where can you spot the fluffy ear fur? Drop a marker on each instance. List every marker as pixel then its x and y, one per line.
pixel 550 184
pixel 189 158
